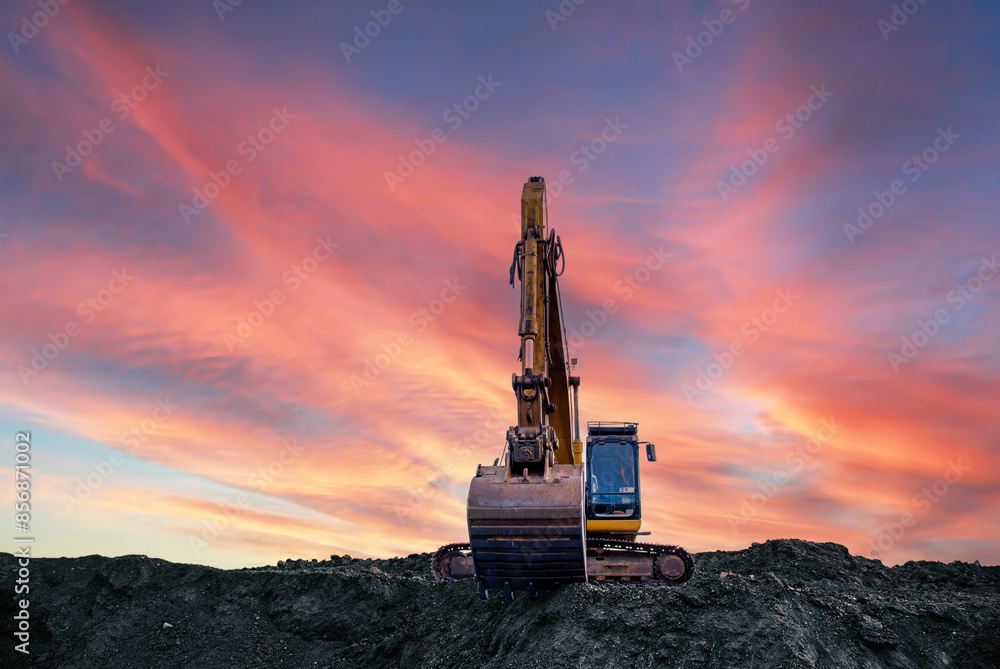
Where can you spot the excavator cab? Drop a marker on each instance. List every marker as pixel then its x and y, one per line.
pixel 612 471
pixel 613 507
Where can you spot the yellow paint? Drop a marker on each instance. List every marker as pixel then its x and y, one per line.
pixel 613 526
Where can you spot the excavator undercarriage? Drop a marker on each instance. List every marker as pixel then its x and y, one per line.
pixel 608 561
pixel 554 512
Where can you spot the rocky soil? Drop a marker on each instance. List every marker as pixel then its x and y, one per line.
pixel 786 603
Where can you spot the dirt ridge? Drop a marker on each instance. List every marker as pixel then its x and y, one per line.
pixel 782 604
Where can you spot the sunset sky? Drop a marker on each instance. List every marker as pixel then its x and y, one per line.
pixel 255 288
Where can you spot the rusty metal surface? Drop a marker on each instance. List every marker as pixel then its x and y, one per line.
pixel 527 535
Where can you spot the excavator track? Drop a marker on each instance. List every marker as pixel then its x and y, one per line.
pixel 615 561
pixel 441 562
pixel 608 561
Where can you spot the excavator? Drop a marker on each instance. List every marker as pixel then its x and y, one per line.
pixel 552 510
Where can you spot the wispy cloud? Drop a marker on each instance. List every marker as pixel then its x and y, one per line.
pixel 403 441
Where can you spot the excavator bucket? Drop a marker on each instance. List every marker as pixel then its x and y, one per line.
pixel 527 532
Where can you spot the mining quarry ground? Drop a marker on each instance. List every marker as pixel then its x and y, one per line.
pixel 786 603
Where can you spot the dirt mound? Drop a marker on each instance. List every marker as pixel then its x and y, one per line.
pixel 786 603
